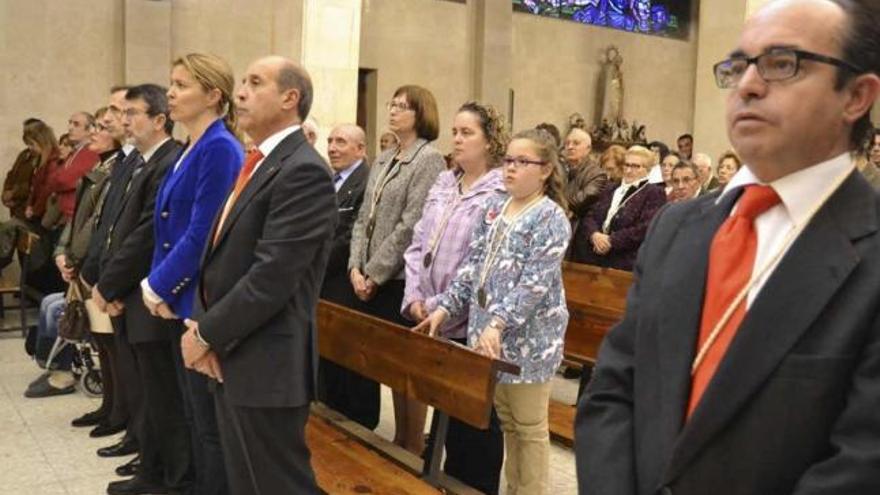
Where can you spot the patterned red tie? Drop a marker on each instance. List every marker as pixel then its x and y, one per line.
pixel 253 157
pixel 731 261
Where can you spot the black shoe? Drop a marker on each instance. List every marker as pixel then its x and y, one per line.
pixel 106 429
pixel 41 387
pixel 135 486
pixel 93 418
pixel 130 468
pixel 126 446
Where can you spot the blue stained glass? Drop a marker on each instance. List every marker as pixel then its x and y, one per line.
pixel 659 17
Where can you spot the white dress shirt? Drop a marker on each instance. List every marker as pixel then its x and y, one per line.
pixel 800 192
pixel 344 175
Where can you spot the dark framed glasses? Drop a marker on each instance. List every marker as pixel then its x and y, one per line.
pixel 777 64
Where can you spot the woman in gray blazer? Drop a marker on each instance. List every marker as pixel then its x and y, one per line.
pixel 398 185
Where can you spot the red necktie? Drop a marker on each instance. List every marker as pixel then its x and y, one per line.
pixel 731 261
pixel 253 157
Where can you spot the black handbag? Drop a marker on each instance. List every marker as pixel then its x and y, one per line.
pixel 74 321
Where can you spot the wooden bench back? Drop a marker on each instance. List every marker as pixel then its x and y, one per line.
pixel 445 375
pixel 596 299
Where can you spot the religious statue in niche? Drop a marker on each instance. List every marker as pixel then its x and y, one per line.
pixel 611 61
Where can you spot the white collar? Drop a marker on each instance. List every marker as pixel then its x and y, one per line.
pixel 799 190
pixel 150 152
pixel 269 144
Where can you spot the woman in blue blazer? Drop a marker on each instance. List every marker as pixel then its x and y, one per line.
pixel 200 98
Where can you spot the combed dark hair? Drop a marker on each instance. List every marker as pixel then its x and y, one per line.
pixel 30 120
pixel 685 136
pixel 686 165
pixel 661 146
pixel 423 103
pixel 156 98
pixel 292 76
pixel 494 129
pixel 861 48
pixel 547 151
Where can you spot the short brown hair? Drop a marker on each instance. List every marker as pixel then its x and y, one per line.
pixel 423 103
pixel 617 155
pixel 732 155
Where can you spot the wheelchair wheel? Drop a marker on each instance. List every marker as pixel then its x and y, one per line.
pixel 90 383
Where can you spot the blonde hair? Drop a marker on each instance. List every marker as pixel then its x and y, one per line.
pixel 212 72
pixel 642 152
pixel 545 148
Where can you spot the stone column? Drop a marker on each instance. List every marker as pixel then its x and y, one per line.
pixel 331 32
pixel 492 36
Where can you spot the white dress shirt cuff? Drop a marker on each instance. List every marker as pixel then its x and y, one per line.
pixel 149 294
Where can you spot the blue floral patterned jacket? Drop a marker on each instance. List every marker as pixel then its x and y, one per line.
pixel 523 288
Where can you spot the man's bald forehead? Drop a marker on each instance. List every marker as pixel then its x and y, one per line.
pixel 352 132
pixel 812 15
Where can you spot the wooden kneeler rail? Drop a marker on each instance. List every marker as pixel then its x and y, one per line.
pixel 453 379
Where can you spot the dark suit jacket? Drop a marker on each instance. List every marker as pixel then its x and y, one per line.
pixel 119 175
pixel 348 199
pixel 128 250
pixel 794 408
pixel 627 230
pixel 259 284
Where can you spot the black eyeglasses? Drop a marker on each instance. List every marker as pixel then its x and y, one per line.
pixel 777 64
pixel 520 162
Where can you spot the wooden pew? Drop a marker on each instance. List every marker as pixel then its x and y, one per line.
pixel 453 379
pixel 596 299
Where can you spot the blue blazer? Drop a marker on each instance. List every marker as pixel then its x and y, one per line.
pixel 188 201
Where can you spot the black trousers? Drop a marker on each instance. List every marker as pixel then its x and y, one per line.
pixel 164 438
pixel 474 456
pixel 104 344
pixel 343 390
pixel 127 380
pixel 265 447
pixel 198 402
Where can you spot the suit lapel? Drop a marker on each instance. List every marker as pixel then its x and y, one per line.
pixel 131 178
pixel 351 183
pixel 807 277
pixel 684 281
pixel 261 176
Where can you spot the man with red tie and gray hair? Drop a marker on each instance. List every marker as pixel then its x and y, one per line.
pixel 748 360
pixel 253 329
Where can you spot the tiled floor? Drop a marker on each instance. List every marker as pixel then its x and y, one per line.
pixel 41 454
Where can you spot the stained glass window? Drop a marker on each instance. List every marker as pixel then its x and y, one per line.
pixel 657 17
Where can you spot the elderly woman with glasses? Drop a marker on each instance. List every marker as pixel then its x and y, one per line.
pixel 612 231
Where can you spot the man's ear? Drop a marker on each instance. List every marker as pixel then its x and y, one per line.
pixel 863 92
pixel 290 99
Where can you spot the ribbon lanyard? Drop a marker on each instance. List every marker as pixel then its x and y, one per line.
pixel 377 194
pixel 495 242
pixel 610 216
pixel 792 235
pixel 434 241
